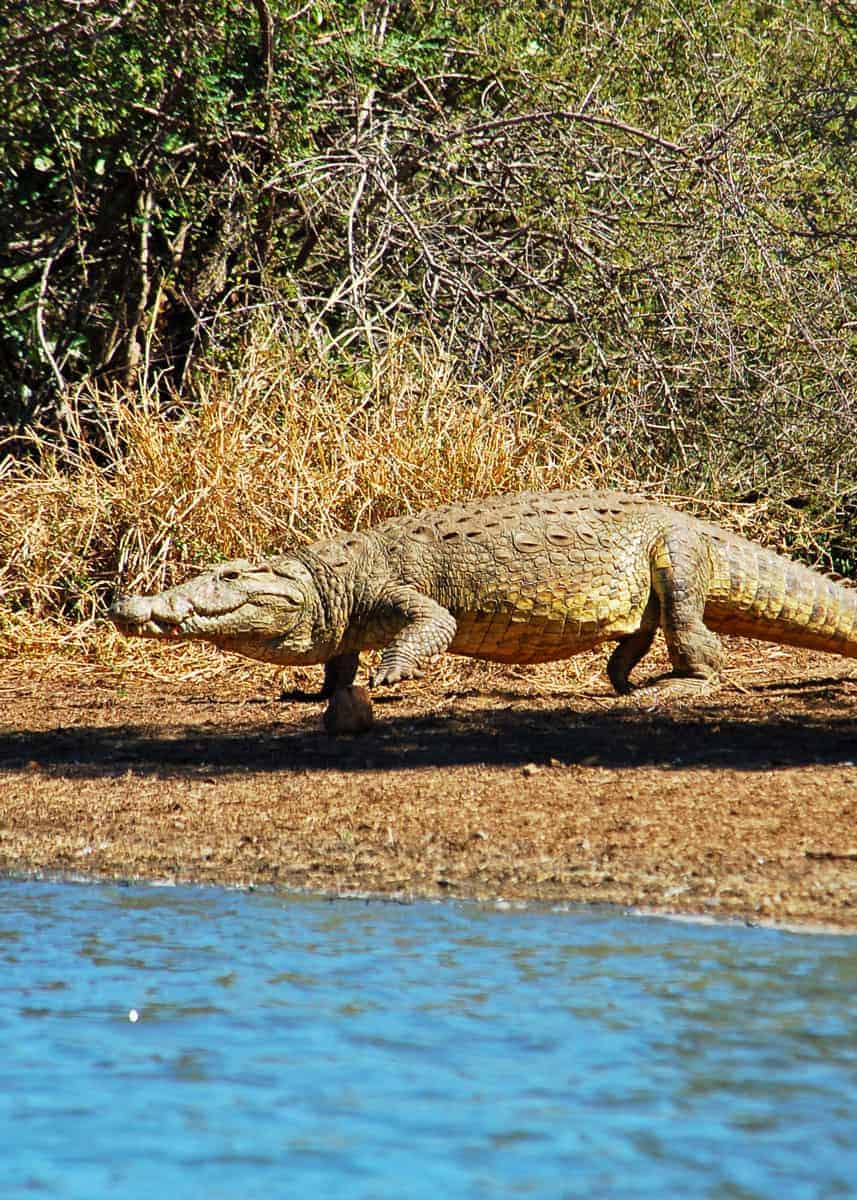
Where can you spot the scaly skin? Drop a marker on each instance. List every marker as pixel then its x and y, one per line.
pixel 518 579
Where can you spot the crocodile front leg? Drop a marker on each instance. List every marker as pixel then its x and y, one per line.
pixel 339 672
pixel 426 630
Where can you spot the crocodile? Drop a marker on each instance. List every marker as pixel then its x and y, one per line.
pixel 520 578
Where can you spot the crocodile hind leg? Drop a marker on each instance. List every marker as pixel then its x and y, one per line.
pixel 680 576
pixel 632 648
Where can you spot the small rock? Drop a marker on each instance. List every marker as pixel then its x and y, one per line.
pixel 349 712
pixel 530 769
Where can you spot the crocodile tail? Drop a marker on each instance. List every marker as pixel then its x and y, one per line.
pixel 756 593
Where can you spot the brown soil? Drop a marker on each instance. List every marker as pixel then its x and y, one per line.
pixel 508 784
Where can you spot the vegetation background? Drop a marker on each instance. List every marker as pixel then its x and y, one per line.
pixel 267 268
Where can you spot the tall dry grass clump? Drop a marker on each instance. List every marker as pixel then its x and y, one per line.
pixel 283 449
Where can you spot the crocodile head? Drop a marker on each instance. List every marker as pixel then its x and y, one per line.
pixel 264 609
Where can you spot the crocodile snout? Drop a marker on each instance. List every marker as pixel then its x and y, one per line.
pixel 130 610
pixel 150 614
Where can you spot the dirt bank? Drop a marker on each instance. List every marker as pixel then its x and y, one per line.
pixel 495 784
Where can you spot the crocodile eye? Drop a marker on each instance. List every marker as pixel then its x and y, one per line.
pixel 231 576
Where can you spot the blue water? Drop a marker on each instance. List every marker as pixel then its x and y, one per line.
pixel 291 1047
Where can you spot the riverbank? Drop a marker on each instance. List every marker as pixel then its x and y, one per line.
pixel 535 785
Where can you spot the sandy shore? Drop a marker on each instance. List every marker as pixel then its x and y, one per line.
pixel 483 784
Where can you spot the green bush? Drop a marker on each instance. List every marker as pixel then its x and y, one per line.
pixel 648 209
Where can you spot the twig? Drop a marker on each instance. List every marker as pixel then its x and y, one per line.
pixel 266 50
pixel 40 324
pixel 145 207
pixel 562 115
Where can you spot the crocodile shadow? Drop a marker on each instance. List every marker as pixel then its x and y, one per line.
pixel 510 735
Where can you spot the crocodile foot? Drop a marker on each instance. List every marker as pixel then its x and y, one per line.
pixel 349 712
pixel 678 687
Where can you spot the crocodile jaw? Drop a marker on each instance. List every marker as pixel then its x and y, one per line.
pixel 248 608
pixel 164 616
pixel 236 631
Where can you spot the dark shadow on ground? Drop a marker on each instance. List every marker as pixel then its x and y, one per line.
pixel 508 735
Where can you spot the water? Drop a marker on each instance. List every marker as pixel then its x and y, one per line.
pixel 291 1047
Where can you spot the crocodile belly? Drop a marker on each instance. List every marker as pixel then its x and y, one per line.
pixel 542 627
